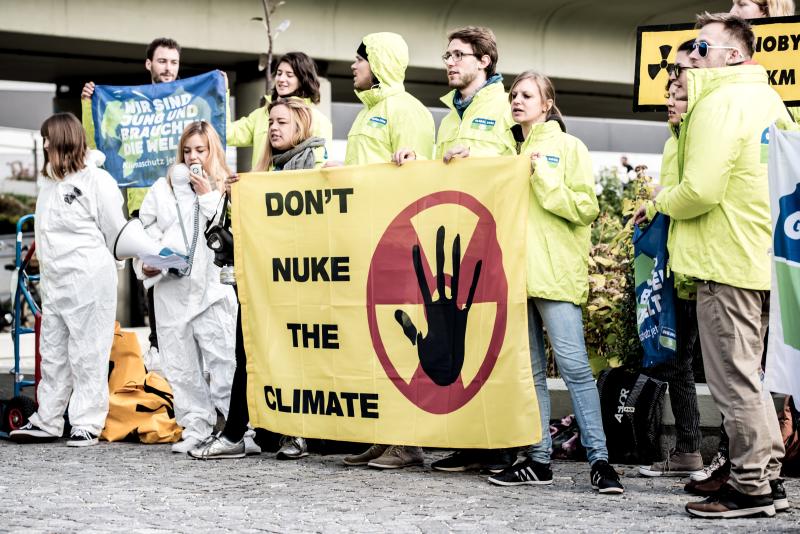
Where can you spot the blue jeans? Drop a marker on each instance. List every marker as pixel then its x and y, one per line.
pixel 564 323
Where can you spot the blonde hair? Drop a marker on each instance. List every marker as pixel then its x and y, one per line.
pixel 66 146
pixel 776 8
pixel 547 92
pixel 301 120
pixel 215 165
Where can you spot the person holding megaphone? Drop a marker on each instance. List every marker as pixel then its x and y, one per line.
pixel 197 313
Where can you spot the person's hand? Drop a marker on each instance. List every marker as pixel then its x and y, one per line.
pixel 640 215
pixel 403 155
pixel 534 157
pixel 88 91
pixel 200 183
pixel 232 179
pixel 149 272
pixel 656 190
pixel 331 163
pixel 456 152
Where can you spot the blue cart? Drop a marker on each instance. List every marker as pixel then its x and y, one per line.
pixel 16 411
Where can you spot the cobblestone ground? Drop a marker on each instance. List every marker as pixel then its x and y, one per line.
pixel 127 487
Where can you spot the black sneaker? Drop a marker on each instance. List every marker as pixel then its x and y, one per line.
pixel 459 461
pixel 31 434
pixel 729 503
pixel 525 472
pixel 81 438
pixel 604 478
pixel 779 499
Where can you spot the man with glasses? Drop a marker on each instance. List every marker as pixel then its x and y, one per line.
pixel 478 125
pixel 721 237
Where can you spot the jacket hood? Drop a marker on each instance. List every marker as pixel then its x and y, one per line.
pixel 704 81
pixel 388 57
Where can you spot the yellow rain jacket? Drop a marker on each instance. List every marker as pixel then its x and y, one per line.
pixel 391 118
pixel 561 207
pixel 720 207
pixel 253 130
pixel 485 126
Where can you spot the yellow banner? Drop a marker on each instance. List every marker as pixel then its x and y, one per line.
pixel 386 304
pixel 777 48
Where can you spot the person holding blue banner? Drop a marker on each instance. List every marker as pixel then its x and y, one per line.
pixel 561 208
pixel 721 236
pixel 196 313
pixel 295 77
pixel 673 363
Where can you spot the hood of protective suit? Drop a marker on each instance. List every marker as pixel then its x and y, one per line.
pixel 388 60
pixel 701 82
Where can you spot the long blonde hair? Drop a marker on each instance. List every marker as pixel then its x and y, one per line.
pixel 215 165
pixel 301 120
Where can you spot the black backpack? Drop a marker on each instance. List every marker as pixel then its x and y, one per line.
pixel 631 404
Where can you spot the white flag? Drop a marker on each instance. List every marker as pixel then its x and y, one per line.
pixel 783 355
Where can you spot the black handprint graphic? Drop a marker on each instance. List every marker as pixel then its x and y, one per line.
pixel 441 351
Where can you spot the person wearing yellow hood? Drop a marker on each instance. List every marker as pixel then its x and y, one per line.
pixel 391 119
pixel 721 235
pixel 295 77
pixel 685 459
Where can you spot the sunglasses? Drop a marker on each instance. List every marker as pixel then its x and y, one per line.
pixel 675 70
pixel 703 47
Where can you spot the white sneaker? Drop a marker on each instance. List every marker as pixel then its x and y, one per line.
pixel 81 438
pixel 185 445
pixel 251 448
pixel 152 361
pixel 31 433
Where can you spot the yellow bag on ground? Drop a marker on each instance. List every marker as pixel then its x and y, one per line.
pixel 140 405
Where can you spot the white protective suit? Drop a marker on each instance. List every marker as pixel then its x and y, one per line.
pixel 77 221
pixel 195 314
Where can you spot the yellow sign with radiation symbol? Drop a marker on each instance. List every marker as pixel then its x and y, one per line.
pixel 387 304
pixel 777 49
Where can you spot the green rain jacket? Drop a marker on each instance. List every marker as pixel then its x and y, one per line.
pixel 720 207
pixel 253 130
pixel 561 207
pixel 391 118
pixel 684 286
pixel 485 126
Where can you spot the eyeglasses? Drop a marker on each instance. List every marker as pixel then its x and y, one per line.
pixel 702 48
pixel 675 70
pixel 456 55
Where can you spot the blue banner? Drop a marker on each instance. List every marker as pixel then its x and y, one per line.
pixel 138 127
pixel 655 293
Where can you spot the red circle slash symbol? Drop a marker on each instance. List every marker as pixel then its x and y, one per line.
pixel 400 274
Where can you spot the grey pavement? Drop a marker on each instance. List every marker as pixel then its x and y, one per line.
pixel 146 488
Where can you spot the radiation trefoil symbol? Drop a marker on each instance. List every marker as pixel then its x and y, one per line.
pixel 401 276
pixel 654 68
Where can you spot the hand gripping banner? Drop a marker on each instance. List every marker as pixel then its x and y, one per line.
pixel 783 348
pixel 777 48
pixel 138 127
pixel 386 304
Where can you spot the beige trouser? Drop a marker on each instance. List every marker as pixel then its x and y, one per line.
pixel 732 323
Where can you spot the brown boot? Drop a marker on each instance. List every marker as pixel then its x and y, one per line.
pixel 365 457
pixel 712 484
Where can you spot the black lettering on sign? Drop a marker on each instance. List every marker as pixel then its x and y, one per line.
pixel 309 202
pixel 781 43
pixel 313 269
pixel 326 403
pixel 781 77
pixel 314 335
